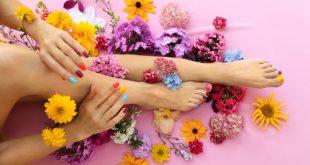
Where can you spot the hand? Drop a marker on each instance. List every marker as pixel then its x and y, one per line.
pixel 100 112
pixel 58 50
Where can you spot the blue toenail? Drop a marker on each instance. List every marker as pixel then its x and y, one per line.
pixel 73 80
pixel 124 97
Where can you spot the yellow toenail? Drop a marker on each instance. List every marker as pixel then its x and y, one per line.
pixel 122 89
pixel 280 78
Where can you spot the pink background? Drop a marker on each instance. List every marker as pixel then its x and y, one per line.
pixel 277 30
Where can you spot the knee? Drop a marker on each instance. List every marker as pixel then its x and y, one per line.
pixel 9 58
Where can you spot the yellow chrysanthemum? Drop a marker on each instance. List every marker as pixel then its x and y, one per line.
pixel 160 153
pixel 268 111
pixel 129 159
pixel 60 20
pixel 55 137
pixel 193 129
pixel 139 8
pixel 24 13
pixel 60 109
pixel 85 33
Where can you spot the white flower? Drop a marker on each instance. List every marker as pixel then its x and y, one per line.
pixel 120 138
pixel 89 16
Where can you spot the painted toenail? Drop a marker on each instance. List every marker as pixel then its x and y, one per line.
pixel 208 87
pixel 280 78
pixel 280 72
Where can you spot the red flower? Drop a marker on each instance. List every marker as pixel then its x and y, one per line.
pixel 219 23
pixel 150 76
pixel 101 42
pixel 217 138
pixel 196 147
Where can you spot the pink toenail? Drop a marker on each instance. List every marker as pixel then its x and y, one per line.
pixel 208 87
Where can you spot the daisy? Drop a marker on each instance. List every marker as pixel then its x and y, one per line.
pixel 193 129
pixel 160 153
pixel 139 8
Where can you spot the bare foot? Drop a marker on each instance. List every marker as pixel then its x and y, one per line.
pixel 256 73
pixel 188 97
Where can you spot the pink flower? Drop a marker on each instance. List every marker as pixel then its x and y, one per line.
pixel 219 22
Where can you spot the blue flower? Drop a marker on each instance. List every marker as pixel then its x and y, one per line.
pixel 172 81
pixel 233 55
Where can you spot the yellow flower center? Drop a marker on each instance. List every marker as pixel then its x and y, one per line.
pixel 60 110
pixel 138 4
pixel 160 152
pixel 195 131
pixel 267 110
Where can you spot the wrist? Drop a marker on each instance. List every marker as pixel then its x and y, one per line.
pixel 73 133
pixel 35 29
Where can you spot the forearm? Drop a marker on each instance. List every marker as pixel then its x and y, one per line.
pixel 27 149
pixel 187 70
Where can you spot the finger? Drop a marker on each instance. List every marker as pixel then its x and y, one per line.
pixel 65 61
pixel 74 44
pixel 64 47
pixel 116 119
pixel 111 100
pixel 101 97
pixel 54 65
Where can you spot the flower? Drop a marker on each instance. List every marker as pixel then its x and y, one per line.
pixel 60 20
pixel 208 49
pixel 174 42
pixel 160 153
pixel 101 42
pixel 84 33
pixel 217 138
pixel 121 137
pixel 129 159
pixel 185 155
pixel 42 10
pixel 103 137
pixel 76 152
pixel 172 81
pixel 174 15
pixel 196 147
pixel 69 4
pixel 268 111
pixel 133 37
pixel 165 66
pixel 193 129
pixel 109 66
pixel 219 22
pixel 164 120
pixel 55 137
pixel 60 109
pixel 139 8
pixel 24 13
pixel 233 55
pixel 150 76
pixel 89 16
pixel 144 150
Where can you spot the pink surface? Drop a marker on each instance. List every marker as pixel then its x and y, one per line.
pixel 272 29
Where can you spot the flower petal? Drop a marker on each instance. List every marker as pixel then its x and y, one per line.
pixel 69 4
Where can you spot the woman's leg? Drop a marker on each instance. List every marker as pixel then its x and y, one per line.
pixel 251 73
pixel 25 71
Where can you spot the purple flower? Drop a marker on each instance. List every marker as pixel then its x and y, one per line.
pixel 77 152
pixel 132 37
pixel 208 49
pixel 109 66
pixel 103 137
pixel 174 42
pixel 144 150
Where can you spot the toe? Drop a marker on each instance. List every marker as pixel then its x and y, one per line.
pixel 192 105
pixel 266 65
pixel 201 92
pixel 200 86
pixel 198 96
pixel 272 75
pixel 277 81
pixel 270 69
pixel 260 60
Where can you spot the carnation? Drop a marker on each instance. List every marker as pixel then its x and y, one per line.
pixel 121 137
pixel 101 42
pixel 103 137
pixel 196 147
pixel 209 48
pixel 174 42
pixel 132 37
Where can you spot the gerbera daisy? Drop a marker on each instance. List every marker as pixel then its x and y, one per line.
pixel 60 109
pixel 268 111
pixel 85 33
pixel 160 153
pixel 24 13
pixel 55 137
pixel 139 8
pixel 60 20
pixel 129 159
pixel 193 129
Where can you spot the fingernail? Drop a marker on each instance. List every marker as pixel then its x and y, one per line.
pixel 86 54
pixel 122 89
pixel 208 87
pixel 280 78
pixel 73 80
pixel 124 97
pixel 280 72
pixel 83 66
pixel 79 73
pixel 115 85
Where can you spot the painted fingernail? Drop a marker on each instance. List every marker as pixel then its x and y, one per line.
pixel 122 89
pixel 280 78
pixel 83 66
pixel 208 87
pixel 280 72
pixel 86 54
pixel 115 85
pixel 73 80
pixel 79 73
pixel 124 97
